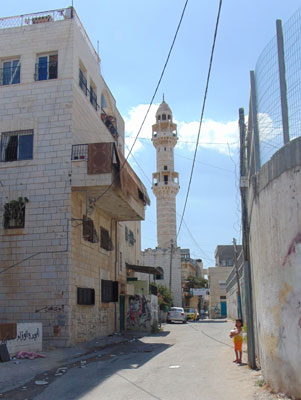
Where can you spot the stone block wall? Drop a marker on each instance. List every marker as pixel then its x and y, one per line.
pixel 37 289
pixel 161 258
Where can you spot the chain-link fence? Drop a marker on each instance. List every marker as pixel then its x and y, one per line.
pixel 278 89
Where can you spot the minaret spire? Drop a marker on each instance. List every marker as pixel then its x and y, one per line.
pixel 165 180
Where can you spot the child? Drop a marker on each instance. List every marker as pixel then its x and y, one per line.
pixel 236 334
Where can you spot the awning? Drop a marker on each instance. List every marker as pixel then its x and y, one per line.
pixel 144 269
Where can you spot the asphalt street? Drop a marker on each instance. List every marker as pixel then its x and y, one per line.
pixel 189 361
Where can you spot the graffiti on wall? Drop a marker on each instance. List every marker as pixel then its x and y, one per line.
pixel 292 248
pixel 139 314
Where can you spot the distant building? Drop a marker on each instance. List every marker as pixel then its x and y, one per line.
pixel 224 255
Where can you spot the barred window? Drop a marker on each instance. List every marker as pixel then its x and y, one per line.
pixel 85 296
pixel 109 291
pixel 17 145
pixel 89 232
pixel 105 240
pixel 46 67
pixel 14 213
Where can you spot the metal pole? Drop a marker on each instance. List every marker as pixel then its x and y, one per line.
pixel 255 122
pixel 246 250
pixel 237 278
pixel 116 266
pixel 170 266
pixel 282 81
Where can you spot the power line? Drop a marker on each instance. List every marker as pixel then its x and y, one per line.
pixel 202 113
pixel 151 102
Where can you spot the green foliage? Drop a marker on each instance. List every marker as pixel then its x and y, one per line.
pixel 196 282
pixel 164 296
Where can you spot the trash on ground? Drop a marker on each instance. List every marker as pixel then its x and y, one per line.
pixel 174 366
pixel 29 355
pixel 43 382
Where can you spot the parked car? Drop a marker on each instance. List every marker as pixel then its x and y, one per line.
pixel 191 313
pixel 176 314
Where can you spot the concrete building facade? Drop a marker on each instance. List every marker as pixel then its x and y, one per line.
pixel 65 200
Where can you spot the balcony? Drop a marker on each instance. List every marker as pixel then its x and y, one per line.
pixel 97 169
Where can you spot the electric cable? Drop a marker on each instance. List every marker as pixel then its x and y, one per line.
pixel 202 113
pixel 151 102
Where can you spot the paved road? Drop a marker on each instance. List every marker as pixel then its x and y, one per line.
pixel 192 361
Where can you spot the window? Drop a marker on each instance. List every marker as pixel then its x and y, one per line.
pixel 93 96
pixel 83 78
pixel 165 167
pixel 161 275
pixel 85 296
pixel 164 148
pixel 10 72
pixel 126 231
pixel 165 179
pixel 109 291
pixel 105 240
pixel 163 117
pixel 89 232
pixel 46 67
pixel 17 145
pixel 14 213
pixel 132 239
pixel 223 297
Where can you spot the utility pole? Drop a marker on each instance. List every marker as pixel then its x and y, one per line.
pixel 245 240
pixel 237 278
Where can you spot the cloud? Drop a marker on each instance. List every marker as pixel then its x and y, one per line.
pixel 214 134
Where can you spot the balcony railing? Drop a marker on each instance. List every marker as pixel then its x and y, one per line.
pixel 79 152
pixel 109 122
pixel 48 17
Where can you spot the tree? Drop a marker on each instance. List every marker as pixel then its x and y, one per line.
pixel 196 282
pixel 164 296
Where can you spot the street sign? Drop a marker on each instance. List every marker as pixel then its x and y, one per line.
pixel 200 292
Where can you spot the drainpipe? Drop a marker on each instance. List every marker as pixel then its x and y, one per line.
pixel 116 266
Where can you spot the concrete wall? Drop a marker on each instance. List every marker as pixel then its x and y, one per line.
pixel 275 242
pixel 142 312
pixel 29 338
pixel 161 258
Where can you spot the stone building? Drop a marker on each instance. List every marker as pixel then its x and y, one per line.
pixel 71 205
pixel 167 256
pixel 217 277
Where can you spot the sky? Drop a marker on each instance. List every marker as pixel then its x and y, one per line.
pixel 134 39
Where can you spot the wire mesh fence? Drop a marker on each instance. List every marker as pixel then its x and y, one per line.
pixel 268 94
pixel 292 49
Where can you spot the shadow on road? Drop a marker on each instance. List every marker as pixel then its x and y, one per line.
pixel 96 370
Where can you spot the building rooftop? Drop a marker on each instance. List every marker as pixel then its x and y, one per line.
pixel 48 17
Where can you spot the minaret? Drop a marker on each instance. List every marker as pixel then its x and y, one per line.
pixel 165 180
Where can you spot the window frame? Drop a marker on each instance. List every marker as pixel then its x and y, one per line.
pixel 17 69
pixel 39 67
pixel 4 147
